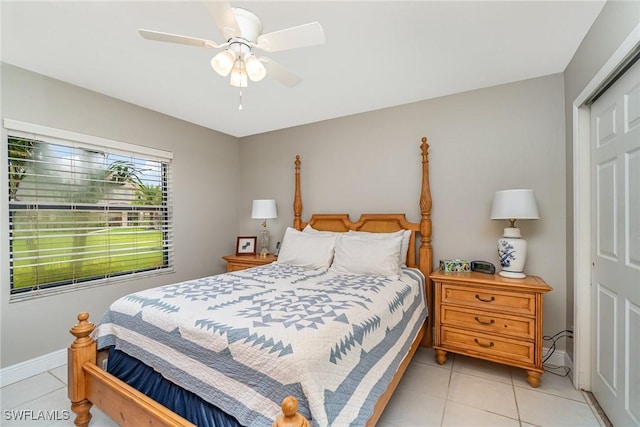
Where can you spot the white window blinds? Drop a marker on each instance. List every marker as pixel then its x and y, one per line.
pixel 83 210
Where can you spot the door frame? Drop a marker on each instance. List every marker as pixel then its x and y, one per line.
pixel 582 307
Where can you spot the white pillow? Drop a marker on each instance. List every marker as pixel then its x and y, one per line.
pixel 309 229
pixel 307 249
pixel 357 254
pixel 404 249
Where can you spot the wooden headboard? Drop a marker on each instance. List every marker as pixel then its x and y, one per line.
pixel 385 223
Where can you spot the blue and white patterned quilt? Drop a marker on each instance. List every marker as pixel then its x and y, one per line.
pixel 245 340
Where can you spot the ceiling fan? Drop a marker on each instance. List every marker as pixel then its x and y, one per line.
pixel 242 32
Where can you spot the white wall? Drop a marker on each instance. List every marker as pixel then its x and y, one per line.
pixel 206 176
pixel 509 136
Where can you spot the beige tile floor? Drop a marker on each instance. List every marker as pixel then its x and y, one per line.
pixel 463 392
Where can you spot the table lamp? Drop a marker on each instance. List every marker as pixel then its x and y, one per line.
pixel 264 210
pixel 512 248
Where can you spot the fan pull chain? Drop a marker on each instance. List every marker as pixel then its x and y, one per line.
pixel 240 101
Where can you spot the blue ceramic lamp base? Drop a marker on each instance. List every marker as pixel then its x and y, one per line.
pixel 512 253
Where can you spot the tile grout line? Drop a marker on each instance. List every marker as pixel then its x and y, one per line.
pixel 40 396
pixel 446 397
pixel 515 396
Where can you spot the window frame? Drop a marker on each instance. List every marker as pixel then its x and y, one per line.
pixel 18 129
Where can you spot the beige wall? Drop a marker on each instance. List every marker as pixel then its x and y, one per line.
pixel 509 136
pixel 206 176
pixel 615 22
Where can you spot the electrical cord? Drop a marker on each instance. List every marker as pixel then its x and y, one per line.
pixel 564 370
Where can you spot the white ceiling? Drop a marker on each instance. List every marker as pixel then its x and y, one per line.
pixel 378 54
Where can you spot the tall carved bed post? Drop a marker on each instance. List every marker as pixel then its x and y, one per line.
pixel 297 199
pixel 426 251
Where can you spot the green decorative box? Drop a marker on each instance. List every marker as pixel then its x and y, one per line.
pixel 455 265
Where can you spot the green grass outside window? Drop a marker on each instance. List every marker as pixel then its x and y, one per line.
pixel 106 252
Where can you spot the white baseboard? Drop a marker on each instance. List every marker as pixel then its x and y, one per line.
pixel 28 368
pixel 559 358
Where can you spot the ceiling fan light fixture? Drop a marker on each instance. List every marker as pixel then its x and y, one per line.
pixel 242 31
pixel 239 74
pixel 255 69
pixel 223 62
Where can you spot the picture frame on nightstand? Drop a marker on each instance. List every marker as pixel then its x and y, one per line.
pixel 246 245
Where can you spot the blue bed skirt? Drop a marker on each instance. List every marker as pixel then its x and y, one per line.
pixel 182 402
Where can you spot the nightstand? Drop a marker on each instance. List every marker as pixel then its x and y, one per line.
pixel 490 317
pixel 241 262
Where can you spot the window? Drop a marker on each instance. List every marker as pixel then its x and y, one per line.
pixel 84 211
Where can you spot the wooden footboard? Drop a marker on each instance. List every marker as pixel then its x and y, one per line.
pixel 89 385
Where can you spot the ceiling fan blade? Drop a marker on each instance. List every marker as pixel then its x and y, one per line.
pixel 223 16
pixel 280 73
pixel 176 38
pixel 310 34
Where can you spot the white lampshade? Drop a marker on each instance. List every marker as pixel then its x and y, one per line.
pixel 514 204
pixel 255 69
pixel 239 74
pixel 264 209
pixel 222 63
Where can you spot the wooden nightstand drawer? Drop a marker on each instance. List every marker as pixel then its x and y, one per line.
pixel 514 326
pixel 492 346
pixel 237 267
pixel 486 298
pixel 242 262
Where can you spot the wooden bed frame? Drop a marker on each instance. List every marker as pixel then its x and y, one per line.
pixel 89 385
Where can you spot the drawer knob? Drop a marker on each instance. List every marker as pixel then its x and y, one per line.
pixel 491 322
pixel 483 345
pixel 492 299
